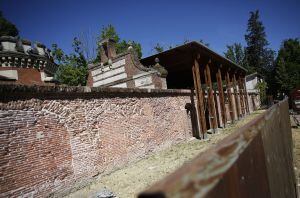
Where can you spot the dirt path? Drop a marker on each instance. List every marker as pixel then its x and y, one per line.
pixel 135 177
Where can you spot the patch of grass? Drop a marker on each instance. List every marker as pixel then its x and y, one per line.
pixel 135 177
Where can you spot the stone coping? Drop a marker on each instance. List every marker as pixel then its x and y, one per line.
pixel 15 91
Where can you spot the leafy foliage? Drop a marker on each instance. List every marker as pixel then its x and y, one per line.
pixel 73 67
pixel 262 88
pixel 121 45
pixel 236 53
pixel 158 48
pixel 7 28
pixel 287 73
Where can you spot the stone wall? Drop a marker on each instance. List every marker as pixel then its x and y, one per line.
pixel 53 138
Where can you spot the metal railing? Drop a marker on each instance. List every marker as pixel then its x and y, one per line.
pixel 254 161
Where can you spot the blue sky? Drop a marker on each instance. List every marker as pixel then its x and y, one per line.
pixel 218 23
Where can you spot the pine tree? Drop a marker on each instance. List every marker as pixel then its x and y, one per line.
pixel 258 55
pixel 236 53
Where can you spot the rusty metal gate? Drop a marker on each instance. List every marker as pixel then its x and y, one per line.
pixel 255 161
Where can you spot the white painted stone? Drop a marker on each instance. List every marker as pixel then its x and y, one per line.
pixel 107 68
pixel 9 46
pixel 109 74
pixel 122 85
pixel 26 48
pixel 143 81
pixel 45 77
pixel 118 63
pixel 147 87
pixel 143 74
pixel 41 51
pixel 110 80
pixel 9 74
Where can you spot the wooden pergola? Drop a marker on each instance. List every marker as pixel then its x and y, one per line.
pixel 219 83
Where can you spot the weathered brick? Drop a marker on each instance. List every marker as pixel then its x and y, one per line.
pixel 49 145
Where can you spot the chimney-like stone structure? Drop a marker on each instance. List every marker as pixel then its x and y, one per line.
pixel 108 50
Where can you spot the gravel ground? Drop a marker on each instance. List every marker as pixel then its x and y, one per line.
pixel 135 177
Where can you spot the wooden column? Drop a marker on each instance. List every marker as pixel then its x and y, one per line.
pixel 241 91
pixel 199 95
pixel 227 78
pixel 217 108
pixel 238 108
pixel 211 100
pixel 246 95
pixel 221 96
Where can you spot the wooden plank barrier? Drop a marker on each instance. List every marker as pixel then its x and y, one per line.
pixel 254 161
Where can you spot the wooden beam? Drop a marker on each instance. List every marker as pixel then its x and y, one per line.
pixel 221 96
pixel 211 100
pixel 229 95
pixel 199 95
pixel 236 98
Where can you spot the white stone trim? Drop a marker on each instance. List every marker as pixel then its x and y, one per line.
pixel 109 74
pixel 122 85
pixel 107 67
pixel 147 87
pixel 9 46
pixel 110 80
pixel 146 80
pixel 46 78
pixel 9 74
pixel 143 74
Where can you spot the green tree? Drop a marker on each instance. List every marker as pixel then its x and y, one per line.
pixel 287 71
pixel 7 28
pixel 258 55
pixel 121 45
pixel 236 53
pixel 72 68
pixel 158 48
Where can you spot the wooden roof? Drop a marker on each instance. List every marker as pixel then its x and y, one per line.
pixel 178 58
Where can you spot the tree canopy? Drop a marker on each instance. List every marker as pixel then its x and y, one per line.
pixel 287 71
pixel 109 31
pixel 259 56
pixel 7 28
pixel 236 53
pixel 72 68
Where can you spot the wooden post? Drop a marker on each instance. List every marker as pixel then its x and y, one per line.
pixel 217 108
pixel 246 95
pixel 241 91
pixel 211 100
pixel 199 95
pixel 221 96
pixel 229 96
pixel 238 108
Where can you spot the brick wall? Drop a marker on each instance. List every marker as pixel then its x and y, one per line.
pixel 53 138
pixel 26 76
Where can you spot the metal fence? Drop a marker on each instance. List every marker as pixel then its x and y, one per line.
pixel 255 161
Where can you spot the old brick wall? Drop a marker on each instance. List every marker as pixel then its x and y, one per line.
pixel 52 139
